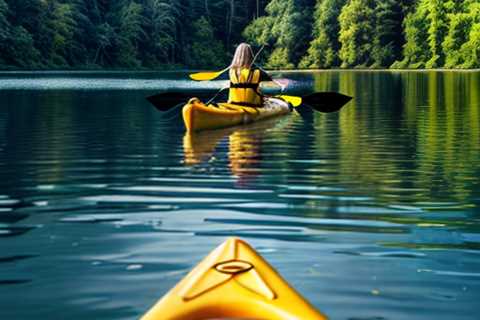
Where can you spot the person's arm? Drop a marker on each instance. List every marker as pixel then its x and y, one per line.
pixel 264 76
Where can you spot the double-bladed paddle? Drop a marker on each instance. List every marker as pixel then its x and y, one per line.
pixel 208 75
pixel 211 75
pixel 320 101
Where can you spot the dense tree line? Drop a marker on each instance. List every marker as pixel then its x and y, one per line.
pixel 41 34
pixel 121 33
pixel 370 33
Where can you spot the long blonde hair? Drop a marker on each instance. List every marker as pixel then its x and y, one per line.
pixel 242 58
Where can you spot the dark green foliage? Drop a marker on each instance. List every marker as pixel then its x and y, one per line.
pixel 4 31
pixel 43 34
pixel 416 50
pixel 4 25
pixel 462 42
pixel 437 29
pixel 356 32
pixel 160 31
pixel 442 33
pixel 16 43
pixel 323 50
pixel 205 50
pixel 284 31
pixel 130 33
pixel 387 38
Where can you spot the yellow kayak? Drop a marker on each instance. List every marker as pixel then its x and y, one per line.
pixel 197 116
pixel 233 281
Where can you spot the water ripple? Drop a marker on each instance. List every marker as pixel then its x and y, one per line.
pixel 126 199
pixel 370 212
pixel 62 83
pixel 322 224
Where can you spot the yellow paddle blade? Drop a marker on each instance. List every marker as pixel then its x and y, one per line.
pixel 206 76
pixel 294 100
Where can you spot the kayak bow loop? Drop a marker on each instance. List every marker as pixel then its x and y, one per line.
pixel 213 274
pixel 233 281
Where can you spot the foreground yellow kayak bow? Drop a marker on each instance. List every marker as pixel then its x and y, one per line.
pixel 233 281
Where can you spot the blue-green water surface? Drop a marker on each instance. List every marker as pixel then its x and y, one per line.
pixel 371 213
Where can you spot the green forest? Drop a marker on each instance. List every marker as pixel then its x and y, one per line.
pixel 168 34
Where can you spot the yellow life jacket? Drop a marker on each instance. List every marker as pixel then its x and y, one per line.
pixel 244 88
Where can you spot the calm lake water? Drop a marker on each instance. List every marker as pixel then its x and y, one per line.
pixel 371 213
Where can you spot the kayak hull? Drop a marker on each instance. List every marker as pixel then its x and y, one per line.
pixel 198 116
pixel 233 282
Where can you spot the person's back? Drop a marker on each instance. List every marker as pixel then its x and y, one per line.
pixel 244 87
pixel 244 80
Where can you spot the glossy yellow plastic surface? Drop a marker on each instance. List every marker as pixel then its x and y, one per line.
pixel 207 75
pixel 294 100
pixel 233 282
pixel 197 116
pixel 249 95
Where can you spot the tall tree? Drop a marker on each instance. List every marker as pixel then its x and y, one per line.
pixel 470 50
pixel 461 44
pixel 205 51
pixel 63 26
pixel 160 26
pixel 425 31
pixel 437 18
pixel 416 51
pixel 283 30
pixel 81 50
pixel 387 37
pixel 128 22
pixel 4 24
pixel 18 49
pixel 323 50
pixel 355 33
pixel 4 30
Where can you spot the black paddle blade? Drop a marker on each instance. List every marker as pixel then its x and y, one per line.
pixel 326 101
pixel 168 100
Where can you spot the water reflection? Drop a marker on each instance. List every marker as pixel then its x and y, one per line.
pixel 422 131
pixel 243 144
pixel 371 212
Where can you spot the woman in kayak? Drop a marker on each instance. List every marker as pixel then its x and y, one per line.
pixel 245 79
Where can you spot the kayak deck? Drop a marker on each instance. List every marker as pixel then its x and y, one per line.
pixel 197 116
pixel 233 281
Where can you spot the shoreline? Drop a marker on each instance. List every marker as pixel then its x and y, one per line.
pixel 85 71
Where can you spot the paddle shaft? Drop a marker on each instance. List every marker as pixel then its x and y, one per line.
pixel 207 76
pixel 319 101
